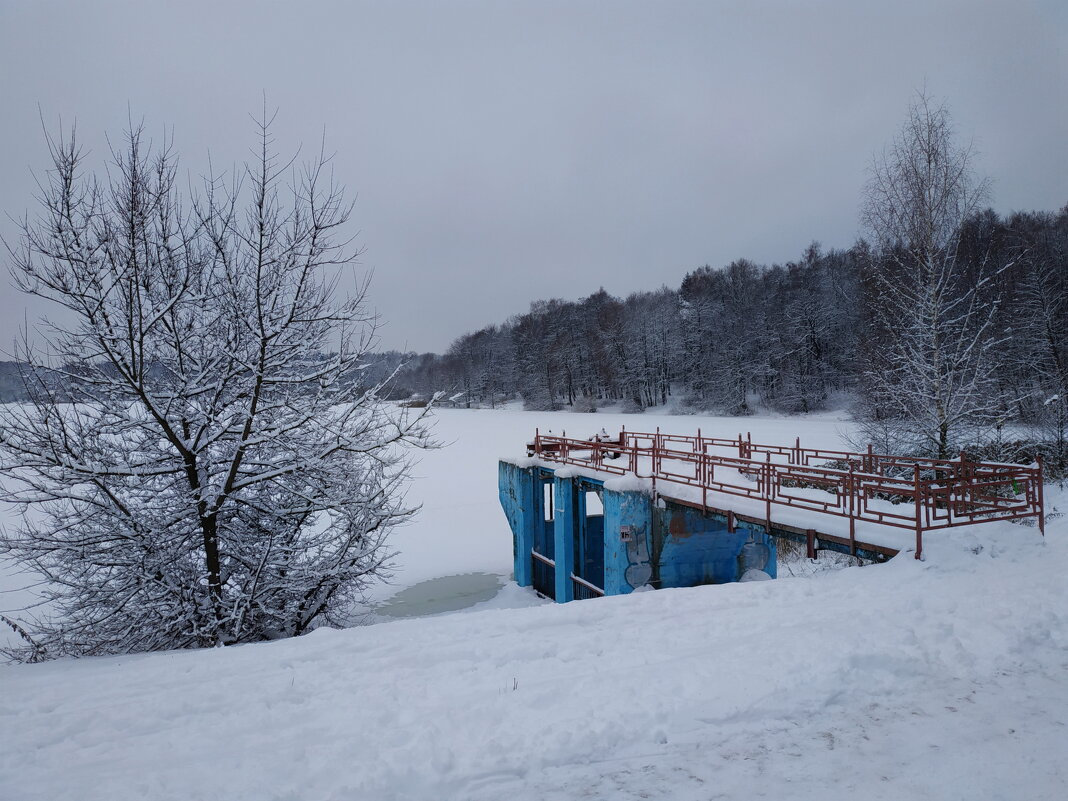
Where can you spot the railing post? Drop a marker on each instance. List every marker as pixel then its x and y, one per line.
pixel 653 459
pixel 916 498
pixel 537 442
pixel 958 492
pixel 767 491
pixel 702 469
pixel 853 499
pixel 1041 508
pixel 656 454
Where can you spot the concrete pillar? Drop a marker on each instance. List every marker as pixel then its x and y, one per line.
pixel 628 520
pixel 517 489
pixel 565 520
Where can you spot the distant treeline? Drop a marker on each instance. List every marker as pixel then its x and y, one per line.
pixel 11 388
pixel 789 337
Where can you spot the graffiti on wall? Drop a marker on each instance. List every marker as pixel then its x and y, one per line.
pixel 639 564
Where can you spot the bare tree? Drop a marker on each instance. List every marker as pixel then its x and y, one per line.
pixel 199 463
pixel 932 375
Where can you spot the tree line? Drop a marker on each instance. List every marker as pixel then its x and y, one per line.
pixel 797 337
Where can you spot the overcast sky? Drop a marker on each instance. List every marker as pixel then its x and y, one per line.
pixel 508 151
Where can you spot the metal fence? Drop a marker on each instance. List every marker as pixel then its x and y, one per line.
pixel 917 494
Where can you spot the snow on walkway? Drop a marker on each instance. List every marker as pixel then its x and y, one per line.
pixel 943 679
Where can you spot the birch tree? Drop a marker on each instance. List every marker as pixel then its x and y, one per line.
pixel 220 476
pixel 931 379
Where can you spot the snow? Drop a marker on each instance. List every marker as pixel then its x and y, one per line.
pixel 754 575
pixel 942 679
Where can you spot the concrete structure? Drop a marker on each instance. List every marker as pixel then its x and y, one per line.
pixel 573 537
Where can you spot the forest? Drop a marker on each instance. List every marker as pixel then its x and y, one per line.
pixel 799 337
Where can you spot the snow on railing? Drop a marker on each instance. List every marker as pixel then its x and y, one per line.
pixel 918 494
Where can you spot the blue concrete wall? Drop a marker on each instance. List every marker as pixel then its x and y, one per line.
pixel 627 564
pixel 517 488
pixel 670 546
pixel 696 548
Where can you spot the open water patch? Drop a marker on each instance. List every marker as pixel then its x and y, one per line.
pixel 444 594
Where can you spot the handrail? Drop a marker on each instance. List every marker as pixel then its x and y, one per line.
pixel 588 585
pixel 942 492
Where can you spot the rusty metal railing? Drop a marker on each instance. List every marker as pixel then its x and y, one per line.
pixel 918 494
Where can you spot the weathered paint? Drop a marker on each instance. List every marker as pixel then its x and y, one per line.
pixel 627 563
pixel 565 529
pixel 516 488
pixel 689 547
pixel 636 542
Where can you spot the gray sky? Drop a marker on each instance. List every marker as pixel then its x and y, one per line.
pixel 506 151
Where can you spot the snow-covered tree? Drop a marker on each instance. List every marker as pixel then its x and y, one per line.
pixel 1041 328
pixel 200 462
pixel 932 374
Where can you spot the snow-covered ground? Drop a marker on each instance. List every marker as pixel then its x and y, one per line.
pixel 942 679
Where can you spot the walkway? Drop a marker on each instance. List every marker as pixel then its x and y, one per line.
pixel 828 492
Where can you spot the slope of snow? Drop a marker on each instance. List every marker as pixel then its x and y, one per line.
pixel 941 679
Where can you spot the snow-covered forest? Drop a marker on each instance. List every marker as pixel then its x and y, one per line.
pixel 795 337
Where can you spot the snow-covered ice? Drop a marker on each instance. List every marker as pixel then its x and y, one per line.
pixel 942 679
